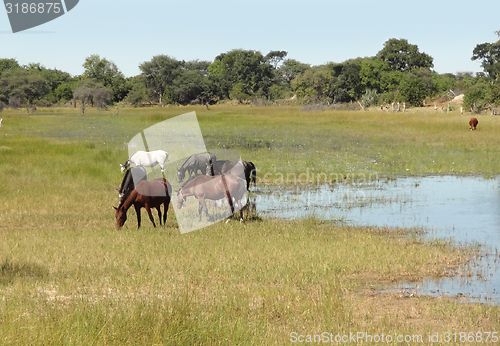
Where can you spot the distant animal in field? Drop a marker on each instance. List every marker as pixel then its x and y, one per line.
pixel 132 177
pixel 194 163
pixel 148 195
pixel 1 120
pixel 243 169
pixel 473 123
pixel 214 188
pixel 147 159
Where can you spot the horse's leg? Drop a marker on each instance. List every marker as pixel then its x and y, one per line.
pixel 165 206
pixel 148 209
pixel 138 212
pixel 164 214
pixel 241 210
pixel 159 213
pixel 230 201
pixel 200 207
pixel 203 205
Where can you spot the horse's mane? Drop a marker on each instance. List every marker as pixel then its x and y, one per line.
pixel 124 199
pixel 126 179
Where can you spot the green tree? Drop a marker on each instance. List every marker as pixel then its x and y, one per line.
pixel 138 94
pixel 8 65
pixel 371 73
pixel 108 74
pixel 313 84
pixel 275 57
pixel 403 56
pixel 443 83
pixel 346 82
pixel 64 92
pixel 27 86
pixel 475 100
pixel 489 55
pixel 158 73
pixel 290 69
pixel 413 89
pixel 238 93
pixel 95 93
pixel 247 67
pixel 492 93
pixel 192 84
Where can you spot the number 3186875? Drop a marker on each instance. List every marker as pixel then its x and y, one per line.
pixel 41 7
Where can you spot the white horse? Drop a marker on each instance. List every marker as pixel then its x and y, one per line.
pixel 147 159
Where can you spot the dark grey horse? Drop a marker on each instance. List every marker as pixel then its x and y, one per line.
pixel 194 163
pixel 243 169
pixel 132 177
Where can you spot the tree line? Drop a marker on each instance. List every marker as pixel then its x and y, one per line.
pixel 399 72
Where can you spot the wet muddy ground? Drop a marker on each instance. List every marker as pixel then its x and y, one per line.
pixel 464 209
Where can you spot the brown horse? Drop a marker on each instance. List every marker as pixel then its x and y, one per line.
pixel 147 194
pixel 206 187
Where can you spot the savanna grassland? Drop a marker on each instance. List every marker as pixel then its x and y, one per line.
pixel 68 277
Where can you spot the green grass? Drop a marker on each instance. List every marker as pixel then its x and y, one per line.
pixel 68 277
pixel 284 140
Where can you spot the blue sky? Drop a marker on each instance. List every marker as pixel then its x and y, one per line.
pixel 314 32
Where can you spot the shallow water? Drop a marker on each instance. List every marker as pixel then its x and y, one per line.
pixel 466 209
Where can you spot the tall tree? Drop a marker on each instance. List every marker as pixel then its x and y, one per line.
pixel 290 69
pixel 403 56
pixel 102 70
pixel 91 91
pixel 489 55
pixel 8 65
pixel 346 83
pixel 247 68
pixel 192 84
pixel 371 73
pixel 27 86
pixel 275 57
pixel 158 73
pixel 107 73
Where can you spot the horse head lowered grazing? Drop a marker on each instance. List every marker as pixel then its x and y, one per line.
pixel 194 163
pixel 206 187
pixel 147 159
pixel 148 195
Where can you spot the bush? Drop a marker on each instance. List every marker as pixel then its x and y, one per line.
pixel 237 93
pixel 475 100
pixel 492 94
pixel 413 91
pixel 369 98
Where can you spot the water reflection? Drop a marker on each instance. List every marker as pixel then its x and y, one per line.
pixel 464 208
